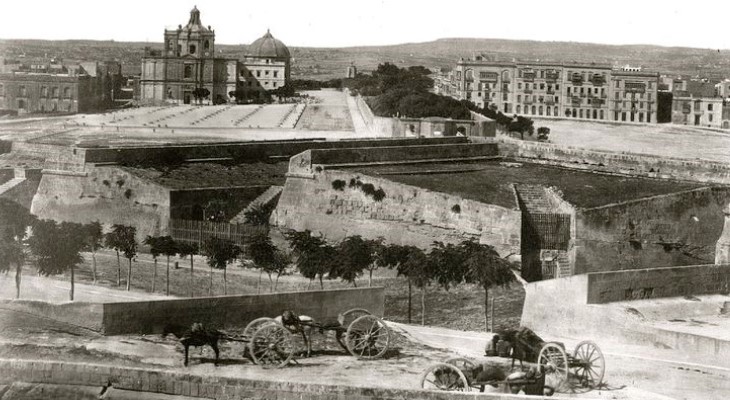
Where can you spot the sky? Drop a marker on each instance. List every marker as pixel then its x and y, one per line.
pixel 332 23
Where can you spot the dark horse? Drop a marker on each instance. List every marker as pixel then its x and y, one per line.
pixel 197 335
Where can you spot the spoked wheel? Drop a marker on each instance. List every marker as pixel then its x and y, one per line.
pixel 367 337
pixel 345 319
pixel 553 358
pixel 272 346
pixel 446 377
pixel 254 325
pixel 591 364
pixel 464 364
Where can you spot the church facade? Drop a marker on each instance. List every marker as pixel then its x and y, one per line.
pixel 188 64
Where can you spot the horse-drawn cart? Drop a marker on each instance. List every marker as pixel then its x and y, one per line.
pixel 463 374
pixel 559 369
pixel 357 331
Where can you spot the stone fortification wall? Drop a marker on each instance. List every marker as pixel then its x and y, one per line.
pixel 189 204
pixel 622 163
pixel 399 154
pixel 61 158
pixel 405 215
pixel 107 194
pixel 673 229
pixel 694 280
pixel 236 311
pixel 239 151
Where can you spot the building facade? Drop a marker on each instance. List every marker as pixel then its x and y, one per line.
pixel 188 63
pixel 583 91
pixel 49 86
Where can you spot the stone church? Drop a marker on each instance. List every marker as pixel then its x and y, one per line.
pixel 188 62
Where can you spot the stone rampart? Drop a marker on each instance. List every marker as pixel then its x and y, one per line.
pixel 107 194
pixel 673 229
pixel 236 311
pixel 400 154
pixel 406 214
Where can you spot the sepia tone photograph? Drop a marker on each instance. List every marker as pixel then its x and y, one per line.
pixel 374 200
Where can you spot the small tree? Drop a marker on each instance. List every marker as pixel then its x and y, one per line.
pixel 14 222
pixel 542 133
pixel 267 258
pixel 395 256
pixel 354 255
pixel 112 241
pixel 419 271
pixel 94 237
pixel 57 248
pixel 185 249
pixel 313 255
pixel 125 242
pixel 168 247
pixel 201 93
pixel 484 266
pixel 153 243
pixel 219 252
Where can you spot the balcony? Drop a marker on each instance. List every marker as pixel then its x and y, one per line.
pixel 596 103
pixel 577 82
pixel 549 101
pixel 551 91
pixel 528 91
pixel 529 100
pixel 576 100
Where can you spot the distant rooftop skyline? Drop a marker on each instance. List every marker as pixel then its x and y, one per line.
pixel 332 23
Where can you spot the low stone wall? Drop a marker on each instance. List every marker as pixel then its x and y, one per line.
pixel 181 383
pixel 605 287
pixel 235 311
pixel 622 163
pixel 402 153
pixel 85 315
pixel 246 151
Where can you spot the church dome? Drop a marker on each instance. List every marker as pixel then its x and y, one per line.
pixel 268 46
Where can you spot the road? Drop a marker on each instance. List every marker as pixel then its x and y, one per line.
pixel 647 372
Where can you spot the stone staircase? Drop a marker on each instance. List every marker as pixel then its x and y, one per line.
pixel 535 198
pixel 271 194
pixel 18 178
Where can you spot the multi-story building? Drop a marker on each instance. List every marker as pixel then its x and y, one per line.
pixel 584 91
pixel 188 62
pixel 47 86
pixel 701 103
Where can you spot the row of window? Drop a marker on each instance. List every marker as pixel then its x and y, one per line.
pixel 54 91
pixel 688 106
pixel 535 86
pixel 258 72
pixel 258 84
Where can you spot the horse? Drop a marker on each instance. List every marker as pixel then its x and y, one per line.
pixel 197 335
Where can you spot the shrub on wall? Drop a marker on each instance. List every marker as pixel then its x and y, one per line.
pixel 367 188
pixel 339 184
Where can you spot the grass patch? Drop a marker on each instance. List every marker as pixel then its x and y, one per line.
pixel 492 183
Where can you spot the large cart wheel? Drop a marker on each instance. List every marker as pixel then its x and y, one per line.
pixel 464 364
pixel 254 325
pixel 367 337
pixel 590 364
pixel 345 319
pixel 555 362
pixel 444 376
pixel 272 346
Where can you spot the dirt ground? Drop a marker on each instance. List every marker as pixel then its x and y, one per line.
pixel 663 140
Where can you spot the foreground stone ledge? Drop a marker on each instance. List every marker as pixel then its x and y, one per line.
pixel 211 387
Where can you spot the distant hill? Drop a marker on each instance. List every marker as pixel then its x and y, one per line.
pixel 327 63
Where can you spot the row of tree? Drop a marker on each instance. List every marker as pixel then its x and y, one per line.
pixel 445 265
pixel 56 248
